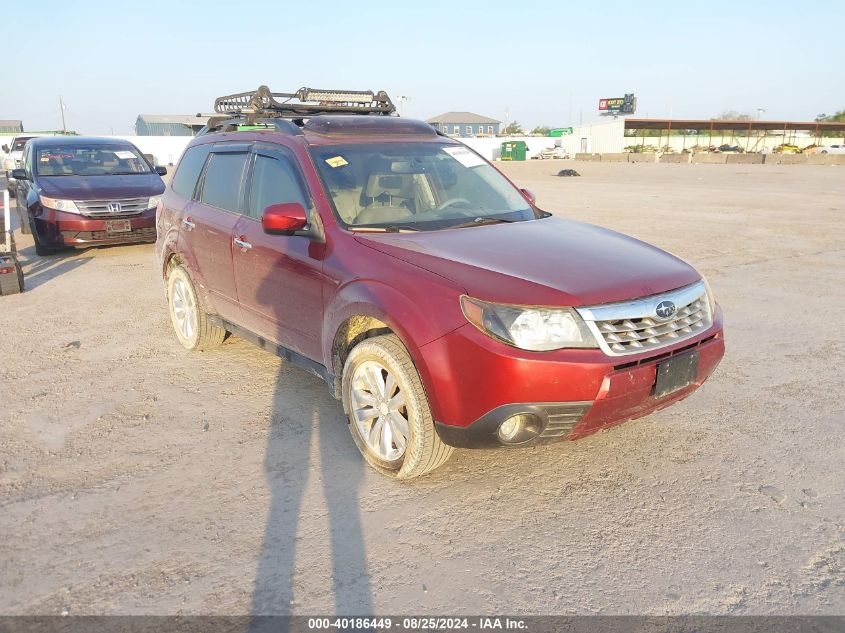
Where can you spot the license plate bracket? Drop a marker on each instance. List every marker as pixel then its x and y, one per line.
pixel 118 226
pixel 676 373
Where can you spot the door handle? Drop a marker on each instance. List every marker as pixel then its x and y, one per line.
pixel 242 244
pixel 188 223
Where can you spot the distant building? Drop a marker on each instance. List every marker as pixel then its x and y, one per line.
pixel 11 125
pixel 169 124
pixel 465 124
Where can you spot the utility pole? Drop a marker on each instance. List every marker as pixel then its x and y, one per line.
pixel 402 99
pixel 62 110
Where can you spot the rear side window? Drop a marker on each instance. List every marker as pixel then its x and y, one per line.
pixel 273 181
pixel 222 184
pixel 185 180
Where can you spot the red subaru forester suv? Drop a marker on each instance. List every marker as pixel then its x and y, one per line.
pixel 439 303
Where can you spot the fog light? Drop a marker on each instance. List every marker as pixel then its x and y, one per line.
pixel 519 428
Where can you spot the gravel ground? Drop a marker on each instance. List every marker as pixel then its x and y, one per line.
pixel 138 478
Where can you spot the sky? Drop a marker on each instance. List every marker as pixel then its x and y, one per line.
pixel 540 63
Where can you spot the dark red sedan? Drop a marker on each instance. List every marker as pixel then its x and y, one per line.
pixel 83 191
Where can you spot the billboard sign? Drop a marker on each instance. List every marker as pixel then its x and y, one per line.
pixel 618 105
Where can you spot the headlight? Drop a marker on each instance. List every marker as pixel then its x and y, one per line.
pixel 153 202
pixel 711 298
pixel 527 327
pixel 68 206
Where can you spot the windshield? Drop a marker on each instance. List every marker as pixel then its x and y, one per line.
pixel 417 186
pixel 89 160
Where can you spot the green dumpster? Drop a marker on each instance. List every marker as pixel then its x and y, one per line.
pixel 514 150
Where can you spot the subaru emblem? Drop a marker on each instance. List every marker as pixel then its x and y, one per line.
pixel 665 309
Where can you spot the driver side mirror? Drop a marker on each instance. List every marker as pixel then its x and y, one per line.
pixel 161 171
pixel 19 174
pixel 529 195
pixel 5 148
pixel 284 219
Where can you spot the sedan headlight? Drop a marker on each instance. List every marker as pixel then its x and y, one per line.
pixel 528 327
pixel 153 202
pixel 68 206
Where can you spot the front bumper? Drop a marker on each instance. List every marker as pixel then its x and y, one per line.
pixel 476 383
pixel 58 228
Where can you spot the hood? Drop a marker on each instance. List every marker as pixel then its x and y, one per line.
pixel 552 261
pixel 100 187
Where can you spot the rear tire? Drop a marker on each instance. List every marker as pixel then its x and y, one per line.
pixel 388 412
pixel 188 315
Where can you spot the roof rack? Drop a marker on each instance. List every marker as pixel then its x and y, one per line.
pixel 305 102
pixel 272 108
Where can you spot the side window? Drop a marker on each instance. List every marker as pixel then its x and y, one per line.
pixel 188 171
pixel 274 181
pixel 222 183
pixel 25 160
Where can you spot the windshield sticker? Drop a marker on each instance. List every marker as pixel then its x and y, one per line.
pixel 337 161
pixel 124 155
pixel 464 156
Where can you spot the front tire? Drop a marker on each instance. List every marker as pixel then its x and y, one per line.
pixel 388 411
pixel 187 314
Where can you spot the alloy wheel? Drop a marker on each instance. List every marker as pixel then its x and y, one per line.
pixel 379 410
pixel 184 308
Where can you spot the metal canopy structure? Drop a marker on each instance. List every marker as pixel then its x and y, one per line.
pixel 751 134
pixel 713 125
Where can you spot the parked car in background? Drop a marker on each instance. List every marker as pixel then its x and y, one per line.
pixel 84 191
pixel 441 305
pixel 786 148
pixel 12 152
pixel 831 149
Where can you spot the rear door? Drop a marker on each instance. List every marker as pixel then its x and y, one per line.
pixel 279 277
pixel 211 220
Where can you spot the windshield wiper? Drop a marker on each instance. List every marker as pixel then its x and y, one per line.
pixel 393 228
pixel 480 222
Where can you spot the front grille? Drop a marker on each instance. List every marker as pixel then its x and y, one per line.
pixel 146 232
pixel 563 417
pixel 634 327
pixel 100 208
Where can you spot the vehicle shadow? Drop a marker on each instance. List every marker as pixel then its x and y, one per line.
pixel 303 412
pixel 40 270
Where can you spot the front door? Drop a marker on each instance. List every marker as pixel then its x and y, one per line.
pixel 279 277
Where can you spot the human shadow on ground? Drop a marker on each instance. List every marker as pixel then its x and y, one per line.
pixel 303 411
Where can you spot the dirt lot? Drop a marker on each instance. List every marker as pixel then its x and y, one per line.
pixel 136 477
